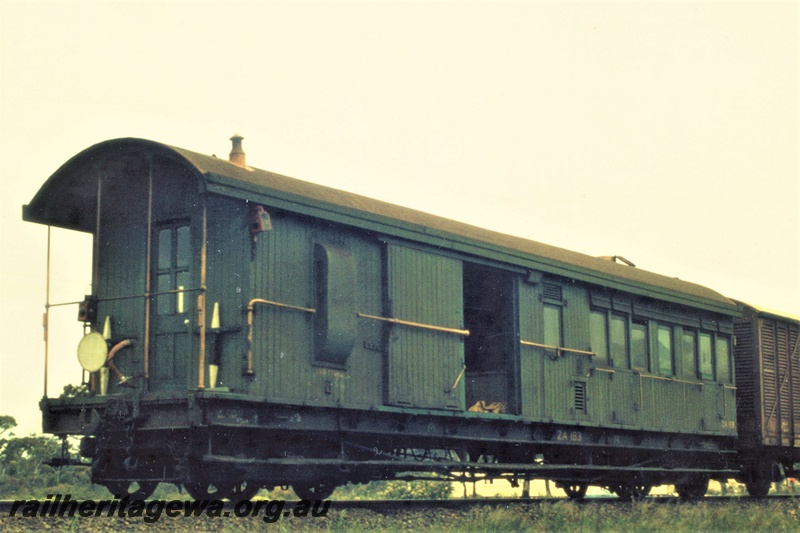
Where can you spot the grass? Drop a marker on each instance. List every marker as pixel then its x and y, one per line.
pixel 780 515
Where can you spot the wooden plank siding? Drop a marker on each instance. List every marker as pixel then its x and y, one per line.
pixel 570 387
pixel 285 363
pixel 121 265
pixel 779 375
pixel 768 378
pixel 228 280
pixel 283 339
pixel 423 365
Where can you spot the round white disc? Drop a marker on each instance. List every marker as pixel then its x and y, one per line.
pixel 92 352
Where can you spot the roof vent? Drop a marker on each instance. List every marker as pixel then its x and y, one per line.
pixel 617 259
pixel 237 156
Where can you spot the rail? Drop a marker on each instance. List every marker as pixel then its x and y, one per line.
pixel 454 331
pixel 558 349
pixel 251 311
pixel 452 389
pixel 48 306
pixel 666 378
pixel 129 297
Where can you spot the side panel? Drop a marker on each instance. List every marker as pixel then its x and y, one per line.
pixel 531 359
pixel 769 396
pixel 794 379
pixel 557 385
pixel 286 362
pixel 582 399
pixel 121 262
pixel 562 383
pixel 424 365
pixel 779 382
pixel 282 271
pixel 362 383
pixel 175 265
pixel 228 281
pixel 748 382
pixel 358 380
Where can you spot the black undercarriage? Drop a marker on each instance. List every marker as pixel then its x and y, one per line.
pixel 211 441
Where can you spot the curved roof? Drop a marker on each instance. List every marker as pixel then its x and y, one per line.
pixel 766 311
pixel 67 199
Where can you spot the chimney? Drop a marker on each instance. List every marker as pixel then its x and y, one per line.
pixel 237 156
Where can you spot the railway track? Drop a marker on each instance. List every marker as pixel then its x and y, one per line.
pixel 384 506
pixel 556 514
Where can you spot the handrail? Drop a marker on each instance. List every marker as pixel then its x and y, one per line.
pixel 558 349
pixel 665 378
pixel 129 296
pixel 201 298
pixel 458 379
pixel 250 311
pixel 278 304
pixel 455 331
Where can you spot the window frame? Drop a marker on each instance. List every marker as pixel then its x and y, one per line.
pixel 604 354
pixel 670 355
pixel 694 368
pixel 706 372
pixel 637 325
pixel 546 330
pixel 625 345
pixel 728 367
pixel 173 264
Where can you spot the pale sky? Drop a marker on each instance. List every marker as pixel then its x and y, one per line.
pixel 666 133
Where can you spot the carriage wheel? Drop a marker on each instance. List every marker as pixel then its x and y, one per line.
pixel 758 488
pixel 693 489
pixel 575 491
pixel 244 490
pixel 135 490
pixel 760 478
pixel 203 490
pixel 319 491
pixel 630 491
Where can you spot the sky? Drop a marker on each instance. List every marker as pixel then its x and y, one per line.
pixel 663 132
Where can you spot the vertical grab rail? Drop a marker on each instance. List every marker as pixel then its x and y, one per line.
pixel 148 284
pixel 46 317
pixel 201 299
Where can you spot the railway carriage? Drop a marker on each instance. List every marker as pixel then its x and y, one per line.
pixel 248 330
pixel 768 379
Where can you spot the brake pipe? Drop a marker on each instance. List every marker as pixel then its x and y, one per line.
pixel 117 347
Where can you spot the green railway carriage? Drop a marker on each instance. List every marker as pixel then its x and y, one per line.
pixel 268 331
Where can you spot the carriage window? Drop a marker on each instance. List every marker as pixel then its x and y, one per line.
pixel 706 362
pixel 639 351
pixel 598 337
pixel 689 349
pixel 723 360
pixel 618 334
pixel 552 325
pixel 665 364
pixel 164 249
pixel 173 254
pixel 182 249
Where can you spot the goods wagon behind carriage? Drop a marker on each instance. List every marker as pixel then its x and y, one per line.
pixel 768 380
